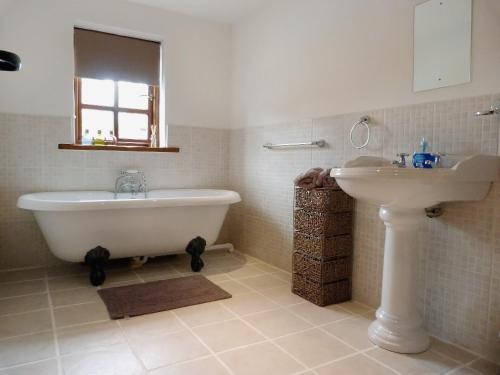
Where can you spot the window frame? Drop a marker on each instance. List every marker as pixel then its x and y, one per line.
pixel 152 112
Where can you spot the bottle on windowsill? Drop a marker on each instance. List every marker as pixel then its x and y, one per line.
pixel 99 139
pixel 111 139
pixel 86 139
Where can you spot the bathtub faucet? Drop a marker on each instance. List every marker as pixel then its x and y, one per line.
pixel 131 181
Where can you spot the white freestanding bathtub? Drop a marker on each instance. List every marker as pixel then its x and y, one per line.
pixel 163 223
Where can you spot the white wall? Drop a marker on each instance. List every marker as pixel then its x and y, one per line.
pixel 3 6
pixel 301 59
pixel 196 57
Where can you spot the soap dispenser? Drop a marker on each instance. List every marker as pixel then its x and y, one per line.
pixel 423 158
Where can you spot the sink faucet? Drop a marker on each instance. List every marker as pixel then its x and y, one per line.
pixel 401 163
pixel 131 181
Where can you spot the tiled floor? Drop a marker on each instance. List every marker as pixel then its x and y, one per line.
pixel 52 322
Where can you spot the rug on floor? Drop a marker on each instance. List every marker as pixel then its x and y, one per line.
pixel 156 296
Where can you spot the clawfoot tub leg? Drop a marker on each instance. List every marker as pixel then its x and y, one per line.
pixel 195 248
pixel 96 259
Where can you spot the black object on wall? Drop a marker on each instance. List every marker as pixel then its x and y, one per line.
pixel 9 61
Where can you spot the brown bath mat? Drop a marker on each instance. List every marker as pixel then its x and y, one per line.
pixel 155 296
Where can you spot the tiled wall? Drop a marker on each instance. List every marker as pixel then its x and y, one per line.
pixel 30 162
pixel 460 251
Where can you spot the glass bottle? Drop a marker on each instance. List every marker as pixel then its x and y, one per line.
pixel 112 139
pixel 99 139
pixel 86 139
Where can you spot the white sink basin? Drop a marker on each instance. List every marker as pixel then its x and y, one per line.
pixel 377 181
pixel 403 194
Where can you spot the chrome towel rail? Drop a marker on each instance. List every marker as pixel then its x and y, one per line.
pixel 319 143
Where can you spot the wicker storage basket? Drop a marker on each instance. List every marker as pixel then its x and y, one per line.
pixel 322 271
pixel 318 223
pixel 323 199
pixel 321 294
pixel 321 246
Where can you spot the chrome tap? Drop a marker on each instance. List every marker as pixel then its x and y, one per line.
pixel 131 181
pixel 401 163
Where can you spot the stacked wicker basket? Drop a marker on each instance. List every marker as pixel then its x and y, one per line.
pixel 322 257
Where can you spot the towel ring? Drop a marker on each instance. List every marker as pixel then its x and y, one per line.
pixel 362 121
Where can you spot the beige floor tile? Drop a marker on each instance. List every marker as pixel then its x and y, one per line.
pixel 356 307
pixel 451 351
pixel 224 262
pixel 314 347
pixel 248 270
pixel 167 349
pixel 218 277
pixel 89 337
pixel 142 327
pixel 111 360
pixel 204 313
pixel 464 371
pixel 485 367
pixel 80 314
pixel 24 304
pixel 159 275
pixel 27 348
pixel 122 283
pixel 22 275
pixel 227 335
pixel 153 270
pixel 319 315
pixel 183 268
pixel 207 272
pixel 263 282
pixel 206 366
pixel 74 296
pixel 67 269
pixel 424 363
pixel 120 276
pixel 22 288
pixel 354 331
pixel 25 323
pixel 68 282
pixel 248 259
pixel 48 367
pixel 266 267
pixel 233 287
pixel 249 303
pixel 283 296
pixel 283 275
pixel 262 358
pixel 357 365
pixel 277 323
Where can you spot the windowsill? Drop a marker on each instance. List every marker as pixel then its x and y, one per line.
pixel 69 146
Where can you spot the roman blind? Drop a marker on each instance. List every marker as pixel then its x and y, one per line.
pixel 101 55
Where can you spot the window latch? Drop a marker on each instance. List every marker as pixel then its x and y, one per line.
pixel 150 97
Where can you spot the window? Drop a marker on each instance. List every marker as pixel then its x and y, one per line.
pixel 125 108
pixel 116 88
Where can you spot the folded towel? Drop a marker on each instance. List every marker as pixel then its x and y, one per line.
pixel 325 180
pixel 308 180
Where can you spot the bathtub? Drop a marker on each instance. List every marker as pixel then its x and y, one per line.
pixel 75 222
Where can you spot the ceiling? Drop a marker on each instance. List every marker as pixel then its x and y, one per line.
pixel 229 11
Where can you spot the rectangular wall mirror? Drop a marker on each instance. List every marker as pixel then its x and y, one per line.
pixel 442 44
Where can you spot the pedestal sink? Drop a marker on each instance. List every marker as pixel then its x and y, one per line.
pixel 403 194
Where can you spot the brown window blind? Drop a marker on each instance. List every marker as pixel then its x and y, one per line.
pixel 101 55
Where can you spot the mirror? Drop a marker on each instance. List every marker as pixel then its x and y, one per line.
pixel 442 44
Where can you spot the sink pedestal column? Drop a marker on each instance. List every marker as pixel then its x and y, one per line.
pixel 398 327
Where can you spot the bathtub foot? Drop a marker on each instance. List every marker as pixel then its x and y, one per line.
pixel 96 259
pixel 195 248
